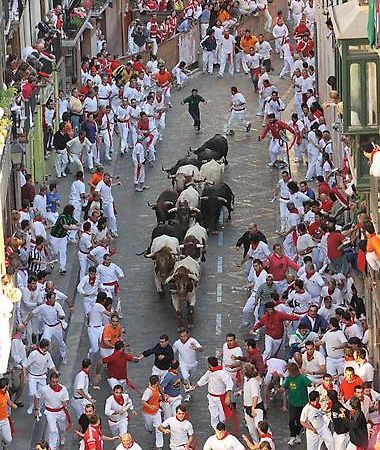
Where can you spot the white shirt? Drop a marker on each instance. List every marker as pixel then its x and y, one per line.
pixel 38 364
pixel 314 416
pixel 228 443
pixel 336 296
pixel 117 412
pixel 109 273
pixel 334 339
pixel 314 365
pixel 90 105
pixel 186 354
pixel 274 107
pixel 98 252
pixel 287 50
pixel 180 431
pixel 138 152
pixel 264 48
pixel 76 147
pixel 104 91
pixel 218 33
pixel 327 313
pixel 77 189
pixel 366 372
pixel 39 204
pixel 251 389
pixel 85 243
pixel 353 331
pixel 261 252
pixel 135 446
pixel 219 382
pixel 85 288
pixel 105 192
pixel 280 31
pixel 95 316
pixel 314 284
pixel 257 280
pixel 296 7
pixel 81 382
pixel 227 45
pixel 301 301
pixel 284 190
pixel 274 365
pixel 227 358
pixel 238 102
pixel 53 399
pixel 18 353
pixel 304 241
pixel 50 315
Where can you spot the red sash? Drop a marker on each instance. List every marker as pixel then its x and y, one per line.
pixel 66 412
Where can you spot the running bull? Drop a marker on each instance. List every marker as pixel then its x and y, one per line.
pixel 212 201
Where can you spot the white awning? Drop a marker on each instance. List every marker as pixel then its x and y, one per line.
pixel 349 20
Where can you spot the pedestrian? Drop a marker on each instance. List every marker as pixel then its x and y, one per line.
pixel 222 440
pixel 171 387
pixel 110 275
pixel 252 401
pixel 341 429
pixel 150 404
pixel 139 160
pixel 81 397
pixel 104 187
pixel 56 398
pixel 296 384
pixel 5 404
pixel 77 196
pixel 312 419
pixel 357 425
pixel 58 235
pixel 179 428
pixel 187 348
pixel 163 356
pixel 60 140
pixel 220 386
pixel 193 101
pixel 117 409
pixel 231 354
pixel 89 286
pixel 112 333
pixel 227 45
pixel 127 442
pixel 208 45
pixel 95 323
pixel 237 112
pixel 79 149
pixel 19 358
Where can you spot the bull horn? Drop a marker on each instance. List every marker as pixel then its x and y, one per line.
pixel 168 203
pixel 169 279
pixel 204 198
pixel 221 199
pixel 181 245
pixel 193 277
pixel 142 253
pixel 210 182
pixel 172 210
pixel 195 210
pixel 172 176
pixel 151 205
pixel 200 246
pixel 164 170
pixel 149 255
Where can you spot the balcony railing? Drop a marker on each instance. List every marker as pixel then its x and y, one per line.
pixel 76 15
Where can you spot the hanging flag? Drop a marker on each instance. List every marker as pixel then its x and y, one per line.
pixel 371 23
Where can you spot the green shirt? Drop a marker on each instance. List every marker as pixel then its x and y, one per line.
pixel 58 231
pixel 194 101
pixel 297 390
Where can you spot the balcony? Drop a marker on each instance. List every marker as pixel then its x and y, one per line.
pixel 13 10
pixel 99 7
pixel 76 15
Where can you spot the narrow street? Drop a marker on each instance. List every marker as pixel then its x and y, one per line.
pixel 218 309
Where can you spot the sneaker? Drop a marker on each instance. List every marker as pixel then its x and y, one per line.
pixel 297 440
pixel 108 158
pixel 64 174
pixel 248 127
pixel 146 187
pixel 139 189
pixel 292 441
pixel 62 441
pixel 187 398
pixel 62 272
pixel 270 164
pixel 30 409
pixel 64 361
pixel 199 131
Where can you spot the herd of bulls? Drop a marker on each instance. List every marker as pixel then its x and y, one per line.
pixel 185 214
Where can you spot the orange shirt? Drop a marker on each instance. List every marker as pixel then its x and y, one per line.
pixel 153 401
pixel 69 130
pixel 247 42
pixel 94 180
pixel 223 16
pixel 4 398
pixel 347 388
pixel 373 244
pixel 163 79
pixel 112 335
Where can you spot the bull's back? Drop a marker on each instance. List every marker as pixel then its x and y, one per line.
pixel 165 241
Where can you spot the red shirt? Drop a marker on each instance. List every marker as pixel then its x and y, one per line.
pixel 274 323
pixel 347 388
pixel 117 364
pixel 278 266
pixel 92 439
pixel 254 357
pixel 323 188
pixel 275 128
pixel 334 240
pixel 327 205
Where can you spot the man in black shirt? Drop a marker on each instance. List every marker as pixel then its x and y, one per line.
pixel 59 143
pixel 163 356
pixel 193 100
pixel 246 238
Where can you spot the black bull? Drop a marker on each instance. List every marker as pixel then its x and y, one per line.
pixel 212 200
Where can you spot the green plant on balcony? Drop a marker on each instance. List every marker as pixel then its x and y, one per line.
pixel 6 98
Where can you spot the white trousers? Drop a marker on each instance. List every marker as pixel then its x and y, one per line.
pixel 204 28
pixel 272 346
pixel 288 67
pixel 216 410
pixel 79 405
pixel 109 212
pixel 83 263
pixel 170 405
pixel 341 441
pixel 314 440
pixel 57 333
pixel 236 117
pixel 186 370
pixel 56 423
pixel 267 20
pixel 108 143
pixel 119 428
pixel 224 59
pixel 275 149
pixel 88 302
pixel 124 131
pixel 312 158
pixel 61 160
pixel 284 214
pixel 59 247
pixel 181 78
pixel 5 431
pixel 208 61
pixel 152 422
pixel 138 173
pixel 249 309
pixel 94 335
pixel 76 160
pixel 334 366
pixel 159 372
pixel 217 52
pixel 35 384
pixel 252 423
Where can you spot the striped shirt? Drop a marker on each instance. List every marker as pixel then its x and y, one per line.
pixel 36 260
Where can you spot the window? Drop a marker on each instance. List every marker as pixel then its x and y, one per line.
pixel 355 95
pixel 371 87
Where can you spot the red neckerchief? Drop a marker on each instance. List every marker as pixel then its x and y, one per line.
pixel 86 371
pixel 40 351
pixel 215 369
pixel 119 400
pixel 234 345
pixel 259 271
pixel 254 245
pixel 329 387
pixel 92 280
pixel 317 406
pixel 294 211
pixel 57 388
pixel 225 435
pixel 37 219
pixel 266 435
pixel 349 324
pixel 309 275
